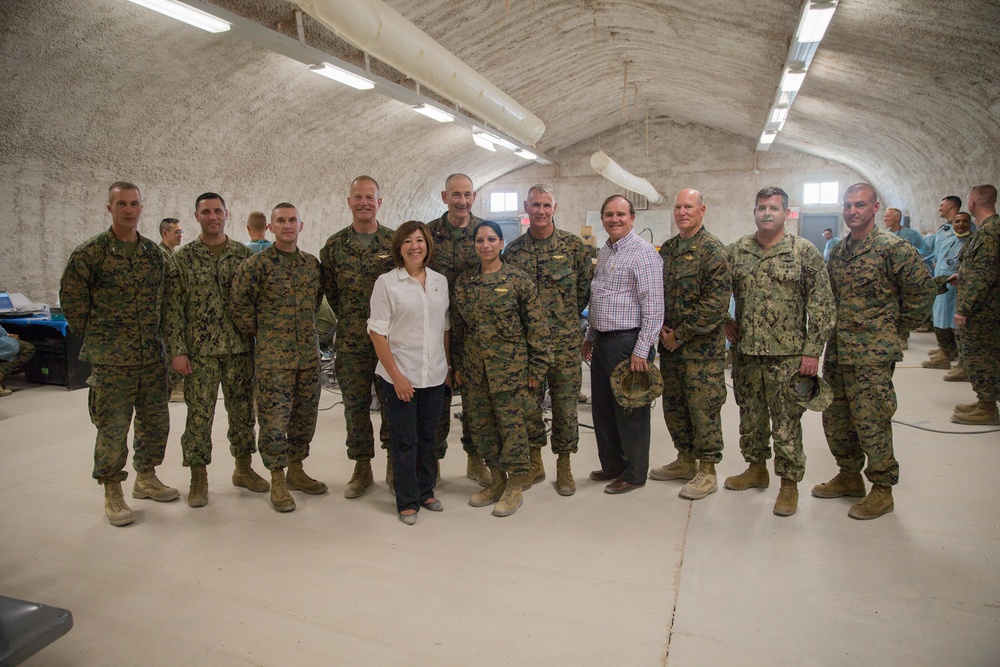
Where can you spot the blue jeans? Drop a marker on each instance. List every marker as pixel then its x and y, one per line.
pixel 412 429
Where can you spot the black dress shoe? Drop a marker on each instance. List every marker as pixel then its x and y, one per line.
pixel 604 475
pixel 621 486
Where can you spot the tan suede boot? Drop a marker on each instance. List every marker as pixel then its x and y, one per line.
pixel 937 362
pixel 147 485
pixel 491 493
pixel 511 498
pixel 788 498
pixel 876 503
pixel 198 495
pixel 245 477
pixel 956 374
pixel 360 480
pixel 118 513
pixel 985 413
pixel 565 484
pixel 754 477
pixel 966 407
pixel 536 471
pixel 704 483
pixel 684 467
pixel 843 484
pixel 297 480
pixel 281 499
pixel 476 470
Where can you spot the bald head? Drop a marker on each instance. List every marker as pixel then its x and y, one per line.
pixel 689 212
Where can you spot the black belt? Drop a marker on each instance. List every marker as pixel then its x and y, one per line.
pixel 618 332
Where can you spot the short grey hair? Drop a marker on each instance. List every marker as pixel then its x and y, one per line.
pixel 542 188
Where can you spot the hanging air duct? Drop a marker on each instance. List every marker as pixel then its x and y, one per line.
pixel 614 172
pixel 382 32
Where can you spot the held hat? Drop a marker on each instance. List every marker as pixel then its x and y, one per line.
pixel 810 391
pixel 633 389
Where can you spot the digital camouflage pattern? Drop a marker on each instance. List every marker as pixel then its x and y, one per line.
pixel 454 253
pixel 694 391
pixel 696 289
pixel 785 310
pixel 979 301
pixel 25 351
pixel 114 392
pixel 561 269
pixel 201 392
pixel 858 423
pixel 882 290
pixel 287 406
pixel 277 303
pixel 354 371
pixel 166 250
pixel 504 343
pixel 113 301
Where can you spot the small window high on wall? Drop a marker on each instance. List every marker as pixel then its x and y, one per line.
pixel 821 193
pixel 502 202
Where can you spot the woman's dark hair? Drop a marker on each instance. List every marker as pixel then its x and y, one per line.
pixel 492 225
pixel 404 231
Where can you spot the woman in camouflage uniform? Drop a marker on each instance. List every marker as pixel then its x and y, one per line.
pixel 498 345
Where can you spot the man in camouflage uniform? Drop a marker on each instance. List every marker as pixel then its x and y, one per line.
pixel 978 310
pixel 559 265
pixel 881 288
pixel 274 297
pixel 170 236
pixel 502 357
pixel 207 350
pixel 455 253
pixel 693 347
pixel 352 260
pixel 110 294
pixel 784 314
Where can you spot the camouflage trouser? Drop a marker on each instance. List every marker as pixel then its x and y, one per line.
pixel 497 423
pixel 980 346
pixel 115 391
pixel 859 421
pixel 564 378
pixel 946 340
pixel 287 405
pixel 201 393
pixel 444 428
pixel 694 391
pixel 24 353
pixel 355 373
pixel 766 412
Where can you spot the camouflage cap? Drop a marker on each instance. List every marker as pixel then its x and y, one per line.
pixel 810 391
pixel 633 389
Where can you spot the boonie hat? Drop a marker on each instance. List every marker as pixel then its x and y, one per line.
pixel 634 389
pixel 810 391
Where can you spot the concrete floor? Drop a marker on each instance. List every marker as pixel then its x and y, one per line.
pixel 640 579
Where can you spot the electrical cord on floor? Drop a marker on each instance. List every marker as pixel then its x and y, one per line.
pixel 934 430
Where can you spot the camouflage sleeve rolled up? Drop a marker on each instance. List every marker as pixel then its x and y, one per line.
pixel 979 287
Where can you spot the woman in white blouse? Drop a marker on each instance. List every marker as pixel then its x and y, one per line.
pixel 409 329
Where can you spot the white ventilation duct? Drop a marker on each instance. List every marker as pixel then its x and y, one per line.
pixel 614 172
pixel 381 31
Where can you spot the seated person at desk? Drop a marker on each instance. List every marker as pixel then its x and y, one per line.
pixel 14 353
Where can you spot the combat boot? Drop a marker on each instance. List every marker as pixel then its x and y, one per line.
pixel 704 483
pixel 536 471
pixel 956 374
pixel 491 493
pixel 245 477
pixel 843 484
pixel 966 407
pixel 360 480
pixel 984 413
pixel 935 352
pixel 788 498
pixel 511 498
pixel 281 499
pixel 937 362
pixel 198 495
pixel 754 477
pixel 565 484
pixel 685 467
pixel 148 486
pixel 876 503
pixel 476 470
pixel 118 513
pixel 297 480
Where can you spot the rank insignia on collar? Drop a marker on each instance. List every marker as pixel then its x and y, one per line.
pixel 500 290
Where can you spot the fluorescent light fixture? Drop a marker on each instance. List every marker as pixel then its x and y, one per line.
pixel 342 76
pixel 483 142
pixel 189 15
pixel 433 113
pixel 768 137
pixel 526 154
pixel 792 80
pixel 816 21
pixel 778 115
